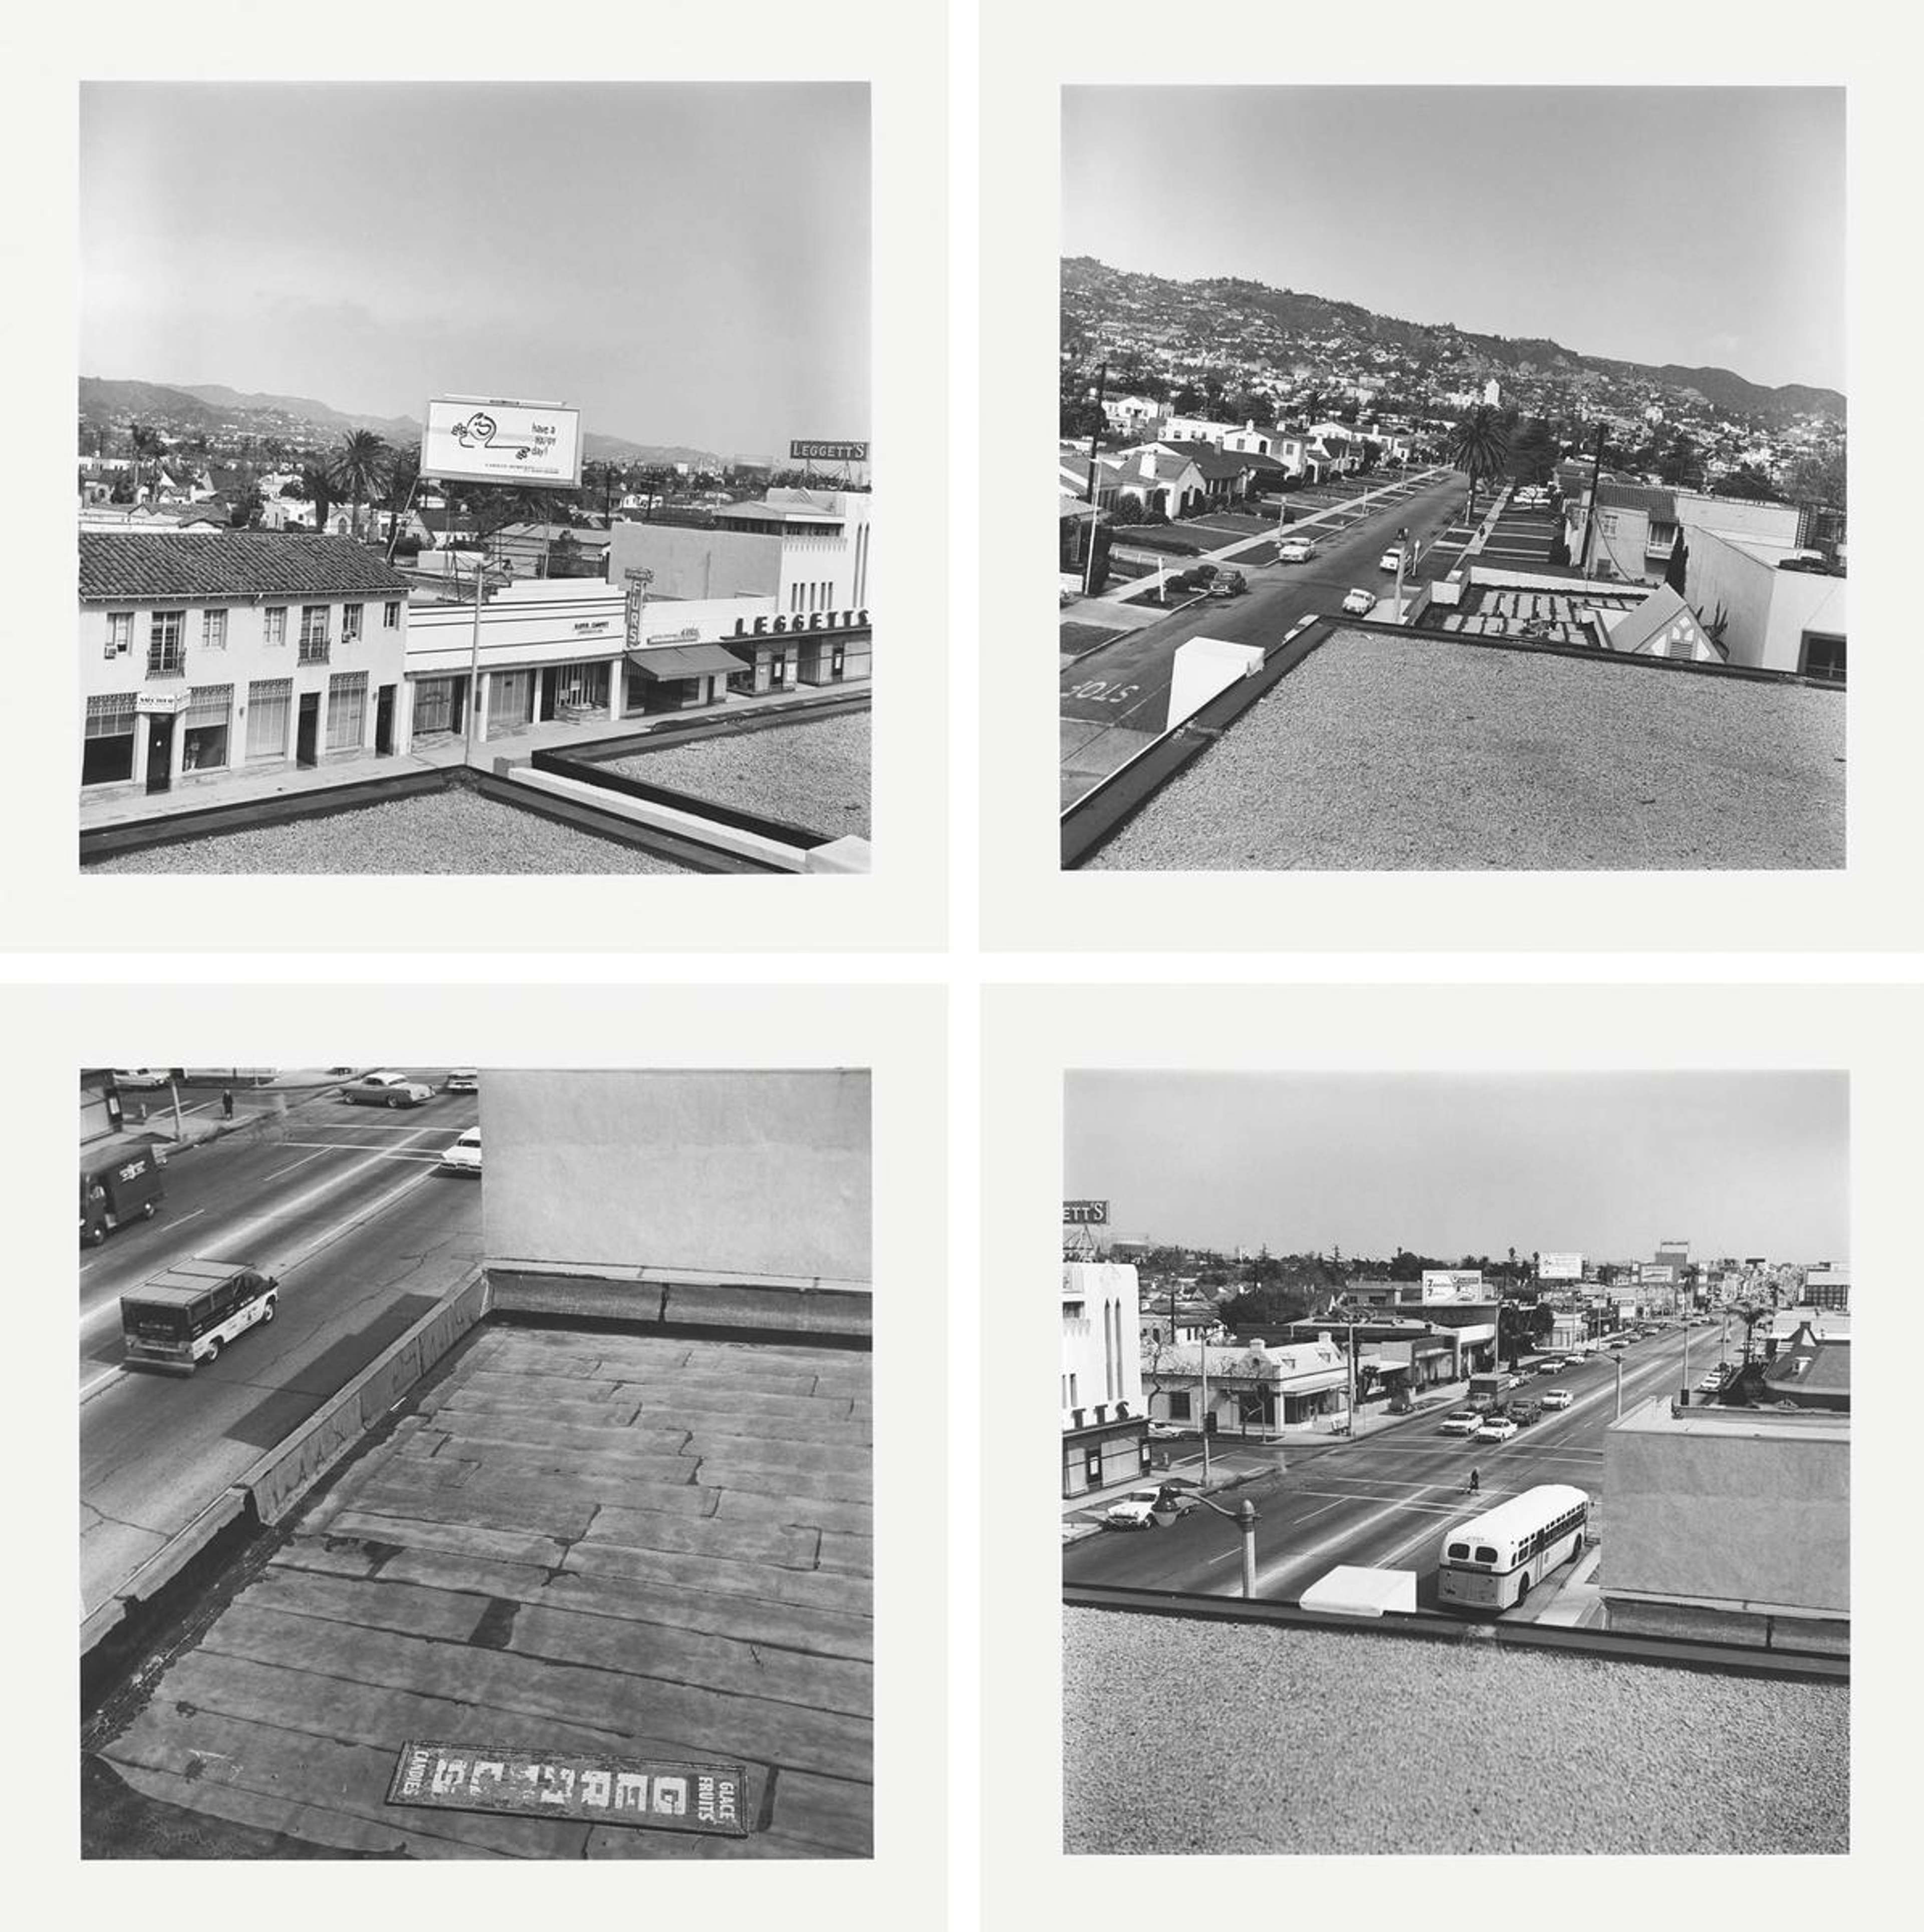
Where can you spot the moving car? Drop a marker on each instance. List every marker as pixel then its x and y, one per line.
pixel 141 1076
pixel 1136 1511
pixel 386 1088
pixel 1230 584
pixel 1360 603
pixel 1525 1411
pixel 1391 559
pixel 462 1080
pixel 464 1155
pixel 1295 550
pixel 1463 1422
pixel 1497 1429
pixel 1164 1431
pixel 1557 1398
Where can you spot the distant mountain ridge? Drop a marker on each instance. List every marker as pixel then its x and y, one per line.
pixel 107 400
pixel 1086 281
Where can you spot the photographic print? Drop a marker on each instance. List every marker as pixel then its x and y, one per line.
pixel 1452 478
pixel 476 1463
pixel 480 483
pixel 1456 1463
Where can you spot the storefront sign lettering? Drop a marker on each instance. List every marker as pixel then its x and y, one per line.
pixel 657 1794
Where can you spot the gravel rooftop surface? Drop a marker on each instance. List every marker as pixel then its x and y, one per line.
pixel 452 831
pixel 1324 1742
pixel 814 774
pixel 1382 753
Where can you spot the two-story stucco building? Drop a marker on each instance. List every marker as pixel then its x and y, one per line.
pixel 1105 1426
pixel 204 656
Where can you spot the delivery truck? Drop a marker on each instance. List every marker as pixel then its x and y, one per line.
pixel 126 1188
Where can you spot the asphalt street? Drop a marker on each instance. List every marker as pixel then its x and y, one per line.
pixel 1125 684
pixel 1384 1500
pixel 346 1206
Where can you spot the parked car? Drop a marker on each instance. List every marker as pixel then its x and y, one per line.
pixel 1164 1431
pixel 1497 1429
pixel 1360 603
pixel 1709 1385
pixel 464 1155
pixel 462 1080
pixel 1557 1398
pixel 1136 1511
pixel 141 1076
pixel 1295 550
pixel 1391 559
pixel 386 1088
pixel 1463 1422
pixel 1230 584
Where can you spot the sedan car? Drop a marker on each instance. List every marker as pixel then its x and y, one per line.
pixel 462 1080
pixel 1710 1383
pixel 1557 1398
pixel 1497 1429
pixel 1360 603
pixel 1295 550
pixel 463 1155
pixel 1391 559
pixel 141 1076
pixel 1230 584
pixel 386 1088
pixel 1136 1511
pixel 1462 1422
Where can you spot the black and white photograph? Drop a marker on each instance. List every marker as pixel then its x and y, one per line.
pixel 1456 1462
pixel 478 483
pixel 1452 478
pixel 475 1463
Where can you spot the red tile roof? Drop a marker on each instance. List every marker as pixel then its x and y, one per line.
pixel 117 568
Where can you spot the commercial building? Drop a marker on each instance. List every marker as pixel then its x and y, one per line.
pixel 1771 606
pixel 202 655
pixel 1248 1388
pixel 1105 1427
pixel 794 567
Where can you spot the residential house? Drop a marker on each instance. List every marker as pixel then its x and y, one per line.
pixel 204 655
pixel 1662 626
pixel 1769 607
pixel 1156 477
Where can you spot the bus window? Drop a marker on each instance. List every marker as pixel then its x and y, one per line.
pixel 1484 1554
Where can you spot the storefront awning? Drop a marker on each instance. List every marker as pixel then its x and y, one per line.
pixel 676 661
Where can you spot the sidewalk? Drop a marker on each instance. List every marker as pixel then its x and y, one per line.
pixel 204 1121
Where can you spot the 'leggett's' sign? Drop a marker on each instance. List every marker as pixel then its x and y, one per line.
pixel 790 622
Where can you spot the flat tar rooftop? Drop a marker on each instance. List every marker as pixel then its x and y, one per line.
pixel 1392 751
pixel 593 1542
pixel 1204 1736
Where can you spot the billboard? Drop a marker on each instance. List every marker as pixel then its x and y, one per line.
pixel 1657 1274
pixel 1559 1268
pixel 828 452
pixel 1086 1213
pixel 1452 1284
pixel 476 440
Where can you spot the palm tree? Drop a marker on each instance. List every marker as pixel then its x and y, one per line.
pixel 1480 444
pixel 360 467
pixel 317 484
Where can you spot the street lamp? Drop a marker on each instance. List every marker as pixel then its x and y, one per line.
pixel 1244 1517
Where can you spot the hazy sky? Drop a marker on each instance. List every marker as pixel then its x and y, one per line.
pixel 1447 1164
pixel 1699 226
pixel 689 264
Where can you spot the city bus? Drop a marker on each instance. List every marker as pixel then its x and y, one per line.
pixel 189 1312
pixel 1495 1559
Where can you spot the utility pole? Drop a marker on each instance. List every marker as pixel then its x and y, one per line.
pixel 1590 515
pixel 1095 439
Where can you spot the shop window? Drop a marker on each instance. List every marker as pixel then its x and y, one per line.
pixel 835 660
pixel 214 630
pixel 204 739
pixel 274 621
pixel 1181 1406
pixel 777 670
pixel 270 706
pixel 120 633
pixel 107 750
pixel 434 704
pixel 347 710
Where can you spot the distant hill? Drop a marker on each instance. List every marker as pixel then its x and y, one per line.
pixel 202 406
pixel 1229 310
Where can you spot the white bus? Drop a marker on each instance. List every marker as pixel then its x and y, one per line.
pixel 1495 1559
